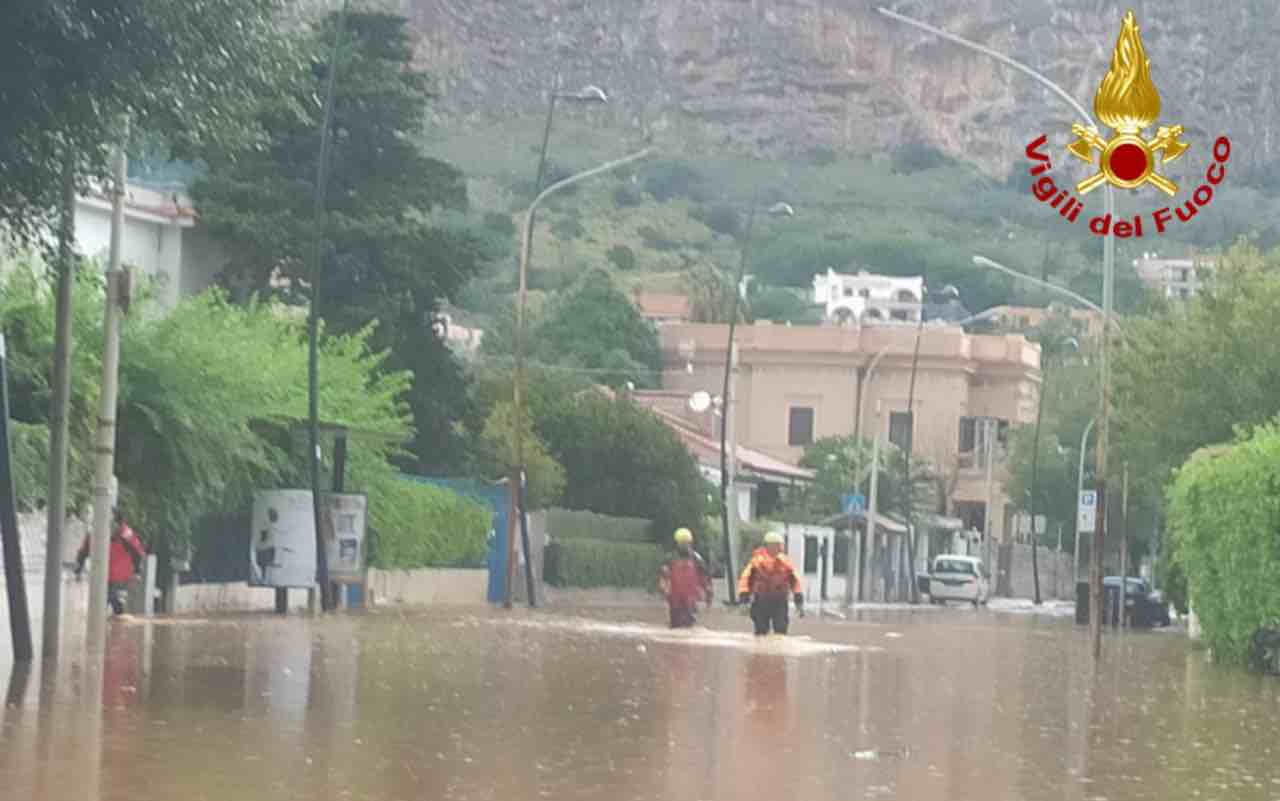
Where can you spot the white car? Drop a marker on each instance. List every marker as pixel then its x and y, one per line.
pixel 958 578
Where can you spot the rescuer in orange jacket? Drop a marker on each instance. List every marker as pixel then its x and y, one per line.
pixel 684 580
pixel 767 581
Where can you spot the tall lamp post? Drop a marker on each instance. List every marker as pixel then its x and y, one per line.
pixel 1108 292
pixel 1045 352
pixel 518 390
pixel 587 94
pixel 728 463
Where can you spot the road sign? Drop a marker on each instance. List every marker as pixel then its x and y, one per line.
pixel 1087 512
pixel 852 502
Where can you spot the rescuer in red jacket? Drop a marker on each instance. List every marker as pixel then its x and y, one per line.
pixel 126 557
pixel 684 580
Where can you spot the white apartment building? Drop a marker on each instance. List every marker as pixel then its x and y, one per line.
pixel 1174 278
pixel 868 298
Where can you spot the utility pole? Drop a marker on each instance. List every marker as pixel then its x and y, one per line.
pixel 875 488
pixel 989 452
pixel 731 432
pixel 1124 547
pixel 59 419
pixel 104 462
pixel 15 580
pixel 313 317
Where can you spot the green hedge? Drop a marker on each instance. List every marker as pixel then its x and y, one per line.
pixel 418 525
pixel 1224 509
pixel 574 524
pixel 598 563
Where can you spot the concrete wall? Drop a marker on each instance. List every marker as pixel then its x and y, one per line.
pixel 429 586
pixel 1055 573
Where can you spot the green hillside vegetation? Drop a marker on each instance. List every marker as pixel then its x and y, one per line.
pixel 909 212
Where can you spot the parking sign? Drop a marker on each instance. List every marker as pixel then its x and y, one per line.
pixel 1087 514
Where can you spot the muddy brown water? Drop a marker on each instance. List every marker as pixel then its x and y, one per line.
pixel 485 704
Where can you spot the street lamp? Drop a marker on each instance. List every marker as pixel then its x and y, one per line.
pixel 518 393
pixel 729 462
pixel 1108 292
pixel 587 94
pixel 983 261
pixel 1035 455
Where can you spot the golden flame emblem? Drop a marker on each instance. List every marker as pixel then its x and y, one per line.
pixel 1127 101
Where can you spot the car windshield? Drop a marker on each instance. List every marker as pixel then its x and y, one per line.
pixel 954 566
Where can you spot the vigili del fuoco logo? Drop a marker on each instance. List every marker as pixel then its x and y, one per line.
pixel 1128 102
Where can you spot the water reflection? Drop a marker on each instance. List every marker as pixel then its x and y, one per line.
pixel 438 706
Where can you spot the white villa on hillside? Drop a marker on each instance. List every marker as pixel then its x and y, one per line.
pixel 867 297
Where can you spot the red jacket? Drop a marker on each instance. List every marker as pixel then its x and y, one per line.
pixel 127 555
pixel 684 580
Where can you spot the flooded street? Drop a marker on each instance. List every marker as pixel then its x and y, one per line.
pixel 479 704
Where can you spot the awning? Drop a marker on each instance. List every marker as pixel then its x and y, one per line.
pixel 884 524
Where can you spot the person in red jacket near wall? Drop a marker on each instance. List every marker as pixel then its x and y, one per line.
pixel 126 557
pixel 684 581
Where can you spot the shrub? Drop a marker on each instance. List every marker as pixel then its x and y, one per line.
pixel 578 524
pixel 668 180
pixel 720 217
pixel 915 156
pixel 622 257
pixel 1223 508
pixel 656 240
pixel 627 196
pixel 599 563
pixel 414 525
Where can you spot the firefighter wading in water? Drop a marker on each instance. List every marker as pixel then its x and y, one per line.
pixel 768 582
pixel 684 579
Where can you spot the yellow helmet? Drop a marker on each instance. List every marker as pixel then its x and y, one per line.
pixel 773 538
pixel 684 536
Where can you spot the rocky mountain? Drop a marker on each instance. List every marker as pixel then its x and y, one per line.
pixel 783 77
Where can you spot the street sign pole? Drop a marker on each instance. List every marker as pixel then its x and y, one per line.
pixel 1086 520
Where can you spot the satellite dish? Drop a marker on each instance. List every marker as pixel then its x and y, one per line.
pixel 700 401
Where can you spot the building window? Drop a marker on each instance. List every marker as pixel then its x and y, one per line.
pixel 968 434
pixel 899 314
pixel 900 429
pixel 864 293
pixel 800 426
pixel 848 292
pixel 811 546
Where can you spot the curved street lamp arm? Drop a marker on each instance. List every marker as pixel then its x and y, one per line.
pixel 1003 59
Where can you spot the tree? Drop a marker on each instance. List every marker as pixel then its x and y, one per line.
pixel 620 459
pixel 495 454
pixel 396 241
pixel 593 328
pixel 207 397
pixel 781 306
pixel 842 465
pixel 710 290
pixel 189 72
pixel 1193 373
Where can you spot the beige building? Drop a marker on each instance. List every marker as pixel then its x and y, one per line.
pixel 798 384
pixel 1085 323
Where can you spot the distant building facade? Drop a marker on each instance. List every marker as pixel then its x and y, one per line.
pixel 1174 278
pixel 1085 323
pixel 868 298
pixel 662 308
pixel 797 384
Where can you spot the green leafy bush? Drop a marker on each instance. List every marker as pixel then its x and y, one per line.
pixel 599 563
pixel 416 525
pixel 1224 509
pixel 622 257
pixel 577 524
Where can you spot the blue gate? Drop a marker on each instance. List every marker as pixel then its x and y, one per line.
pixel 498 498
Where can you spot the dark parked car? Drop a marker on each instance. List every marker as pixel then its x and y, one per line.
pixel 1144 607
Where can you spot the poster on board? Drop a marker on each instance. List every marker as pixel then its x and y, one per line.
pixel 344 534
pixel 282 542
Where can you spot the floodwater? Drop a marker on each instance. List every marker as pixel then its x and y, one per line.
pixel 484 704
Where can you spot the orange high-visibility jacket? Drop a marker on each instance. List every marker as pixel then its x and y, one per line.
pixel 766 574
